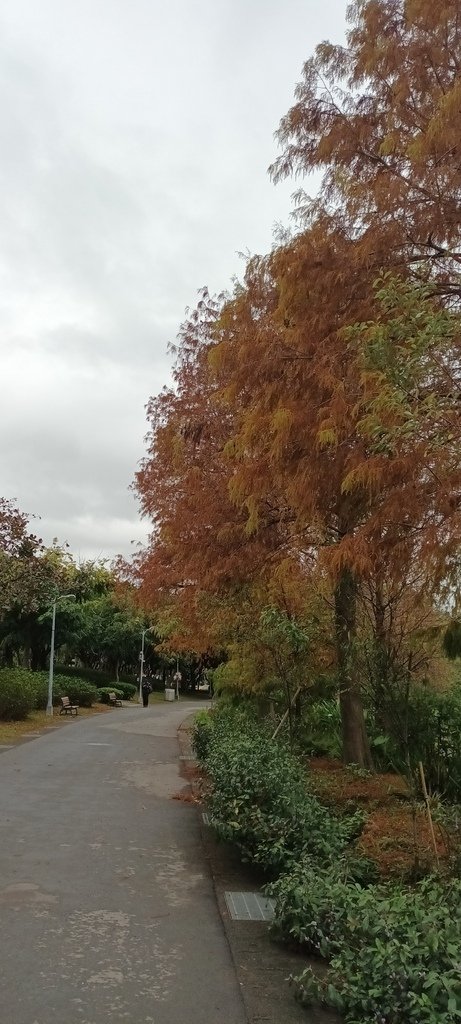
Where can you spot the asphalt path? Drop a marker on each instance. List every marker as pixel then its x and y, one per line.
pixel 108 912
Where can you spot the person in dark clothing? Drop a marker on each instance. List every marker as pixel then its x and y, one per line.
pixel 146 689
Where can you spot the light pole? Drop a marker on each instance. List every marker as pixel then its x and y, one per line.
pixel 70 597
pixel 141 658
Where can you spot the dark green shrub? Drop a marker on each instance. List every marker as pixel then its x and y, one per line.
pixel 311 903
pixel 434 725
pixel 201 735
pixel 319 731
pixel 452 640
pixel 394 951
pixel 40 683
pixel 104 692
pixel 426 729
pixel 395 955
pixel 17 694
pixel 259 798
pixel 98 677
pixel 128 690
pixel 77 690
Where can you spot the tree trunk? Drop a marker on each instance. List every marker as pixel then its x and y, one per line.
pixel 356 748
pixel 39 658
pixel 383 695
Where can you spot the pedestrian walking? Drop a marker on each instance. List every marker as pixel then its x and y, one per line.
pixel 146 689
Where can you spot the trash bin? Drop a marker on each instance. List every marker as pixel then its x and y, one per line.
pixel 169 693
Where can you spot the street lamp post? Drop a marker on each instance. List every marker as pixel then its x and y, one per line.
pixel 141 658
pixel 49 706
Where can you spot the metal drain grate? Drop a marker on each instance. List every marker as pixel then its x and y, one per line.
pixel 249 906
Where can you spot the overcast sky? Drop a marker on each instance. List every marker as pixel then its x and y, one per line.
pixel 135 137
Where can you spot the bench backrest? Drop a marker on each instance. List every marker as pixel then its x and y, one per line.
pixel 65 701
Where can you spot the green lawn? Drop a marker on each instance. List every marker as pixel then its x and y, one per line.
pixel 12 732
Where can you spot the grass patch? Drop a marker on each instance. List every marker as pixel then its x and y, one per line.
pixel 37 721
pixel 158 697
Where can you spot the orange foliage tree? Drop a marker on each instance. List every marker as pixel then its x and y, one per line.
pixel 200 543
pixel 409 362
pixel 282 350
pixel 381 117
pixel 354 426
pixel 307 436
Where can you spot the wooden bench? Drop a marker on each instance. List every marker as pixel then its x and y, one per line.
pixel 67 708
pixel 115 701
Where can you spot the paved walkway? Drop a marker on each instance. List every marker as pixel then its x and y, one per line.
pixel 107 907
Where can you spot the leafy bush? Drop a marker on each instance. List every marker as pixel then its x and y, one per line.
pixel 78 691
pixel 98 677
pixel 104 692
pixel 259 797
pixel 396 955
pixel 40 683
pixel 17 694
pixel 452 639
pixel 312 900
pixel 319 733
pixel 394 951
pixel 128 690
pixel 201 735
pixel 426 729
pixel 434 730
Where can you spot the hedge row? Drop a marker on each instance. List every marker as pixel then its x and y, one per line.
pixel 259 800
pixel 17 694
pixel 77 690
pixel 126 690
pixel 22 691
pixel 394 951
pixel 97 676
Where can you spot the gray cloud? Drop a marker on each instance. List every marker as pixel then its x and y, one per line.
pixel 135 139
